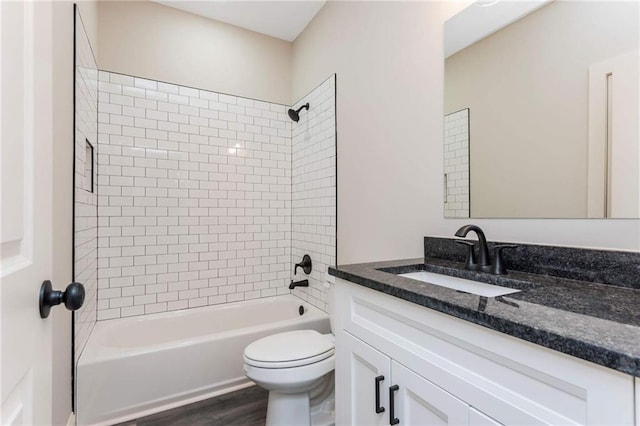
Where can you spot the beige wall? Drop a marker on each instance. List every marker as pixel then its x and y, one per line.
pixel 387 57
pixel 146 39
pixel 389 64
pixel 527 89
pixel 89 12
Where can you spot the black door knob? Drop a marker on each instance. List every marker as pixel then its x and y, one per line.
pixel 72 297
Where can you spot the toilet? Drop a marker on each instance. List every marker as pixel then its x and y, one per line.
pixel 296 367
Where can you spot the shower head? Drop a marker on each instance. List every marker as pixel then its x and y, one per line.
pixel 295 114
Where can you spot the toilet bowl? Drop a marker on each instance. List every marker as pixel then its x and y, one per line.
pixel 296 368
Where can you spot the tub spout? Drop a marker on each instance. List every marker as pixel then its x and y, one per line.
pixel 294 284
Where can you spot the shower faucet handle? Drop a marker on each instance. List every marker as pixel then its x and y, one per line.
pixel 305 265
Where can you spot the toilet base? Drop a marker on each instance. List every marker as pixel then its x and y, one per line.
pixel 288 409
pixel 312 408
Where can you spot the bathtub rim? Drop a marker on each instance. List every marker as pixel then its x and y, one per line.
pixel 97 351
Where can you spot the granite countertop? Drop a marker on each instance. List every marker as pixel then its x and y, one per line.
pixel 596 322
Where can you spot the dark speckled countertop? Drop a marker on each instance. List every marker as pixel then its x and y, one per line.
pixel 596 322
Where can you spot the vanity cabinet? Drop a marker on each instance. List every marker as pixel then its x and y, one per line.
pixel 382 390
pixel 450 371
pixel 476 418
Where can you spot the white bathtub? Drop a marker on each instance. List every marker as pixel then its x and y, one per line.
pixel 137 366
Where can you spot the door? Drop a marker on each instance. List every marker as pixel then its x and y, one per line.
pixel 368 372
pixel 417 401
pixel 25 210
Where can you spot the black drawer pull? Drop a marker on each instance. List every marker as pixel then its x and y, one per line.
pixel 393 420
pixel 379 409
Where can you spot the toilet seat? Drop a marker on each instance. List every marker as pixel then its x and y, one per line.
pixel 289 380
pixel 289 349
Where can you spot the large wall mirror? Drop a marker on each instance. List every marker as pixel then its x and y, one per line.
pixel 541 110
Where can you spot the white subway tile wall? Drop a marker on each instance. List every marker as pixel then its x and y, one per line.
pixel 195 197
pixel 314 190
pixel 456 164
pixel 86 200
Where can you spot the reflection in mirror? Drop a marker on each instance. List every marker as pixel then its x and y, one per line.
pixel 551 101
pixel 456 164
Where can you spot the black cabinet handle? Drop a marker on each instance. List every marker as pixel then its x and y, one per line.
pixel 393 420
pixel 379 409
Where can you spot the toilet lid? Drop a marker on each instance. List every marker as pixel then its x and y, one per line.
pixel 289 349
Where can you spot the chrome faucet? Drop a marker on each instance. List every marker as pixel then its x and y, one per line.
pixel 484 262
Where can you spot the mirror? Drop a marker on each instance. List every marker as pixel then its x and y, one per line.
pixel 541 110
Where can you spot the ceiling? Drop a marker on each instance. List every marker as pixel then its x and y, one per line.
pixel 281 19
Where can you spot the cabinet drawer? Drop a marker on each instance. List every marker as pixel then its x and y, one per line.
pixel 373 390
pixel 512 381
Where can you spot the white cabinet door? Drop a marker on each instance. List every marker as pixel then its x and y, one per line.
pixel 637 397
pixel 419 402
pixel 476 418
pixel 362 372
pixel 26 143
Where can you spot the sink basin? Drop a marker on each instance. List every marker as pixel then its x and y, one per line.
pixel 461 284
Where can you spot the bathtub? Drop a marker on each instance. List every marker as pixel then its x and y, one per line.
pixel 137 366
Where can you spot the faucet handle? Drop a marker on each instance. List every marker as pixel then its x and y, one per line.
pixel 305 265
pixel 498 263
pixel 471 262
